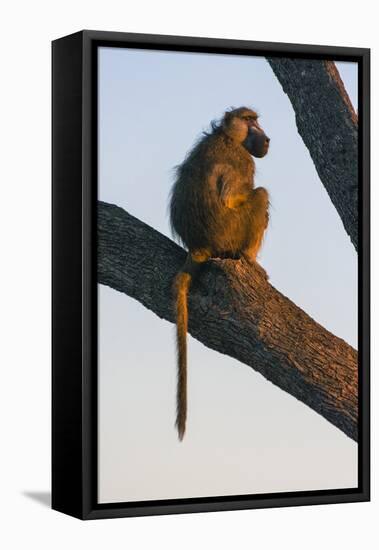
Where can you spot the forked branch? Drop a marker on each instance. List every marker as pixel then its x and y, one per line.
pixel 234 310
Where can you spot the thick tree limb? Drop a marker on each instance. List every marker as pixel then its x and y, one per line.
pixel 234 310
pixel 328 125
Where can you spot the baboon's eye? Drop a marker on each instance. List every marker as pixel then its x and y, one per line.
pixel 250 118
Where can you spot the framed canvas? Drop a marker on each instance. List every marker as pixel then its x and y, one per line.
pixel 210 275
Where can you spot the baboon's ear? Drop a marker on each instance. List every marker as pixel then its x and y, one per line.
pixel 226 119
pixel 227 116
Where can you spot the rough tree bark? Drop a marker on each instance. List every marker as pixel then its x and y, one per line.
pixel 234 310
pixel 328 125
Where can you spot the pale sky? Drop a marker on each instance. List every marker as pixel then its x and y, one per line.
pixel 244 435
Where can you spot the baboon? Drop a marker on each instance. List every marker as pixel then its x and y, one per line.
pixel 216 212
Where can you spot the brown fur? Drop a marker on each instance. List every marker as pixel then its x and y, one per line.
pixel 216 212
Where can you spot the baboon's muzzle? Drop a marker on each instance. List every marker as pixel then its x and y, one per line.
pixel 257 143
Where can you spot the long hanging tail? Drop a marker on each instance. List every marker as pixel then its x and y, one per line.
pixel 182 285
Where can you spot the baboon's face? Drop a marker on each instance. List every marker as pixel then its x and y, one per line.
pixel 256 142
pixel 243 125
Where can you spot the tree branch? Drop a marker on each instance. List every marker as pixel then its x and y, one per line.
pixel 328 125
pixel 234 310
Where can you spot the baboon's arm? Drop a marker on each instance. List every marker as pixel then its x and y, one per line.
pixel 230 189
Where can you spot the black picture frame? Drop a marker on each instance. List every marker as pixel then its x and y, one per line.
pixel 74 295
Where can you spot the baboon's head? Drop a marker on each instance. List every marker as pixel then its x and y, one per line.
pixel 242 125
